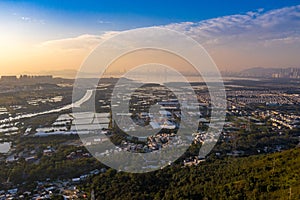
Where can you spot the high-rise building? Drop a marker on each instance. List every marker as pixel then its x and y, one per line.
pixel 9 78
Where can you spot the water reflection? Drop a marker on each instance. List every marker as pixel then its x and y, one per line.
pixel 78 103
pixel 5 147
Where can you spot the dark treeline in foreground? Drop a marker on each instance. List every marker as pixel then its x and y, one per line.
pixel 273 176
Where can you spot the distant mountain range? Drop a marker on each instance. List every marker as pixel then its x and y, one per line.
pixel 68 73
pixel 257 72
pixel 261 72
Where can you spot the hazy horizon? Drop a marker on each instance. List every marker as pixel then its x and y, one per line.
pixel 71 73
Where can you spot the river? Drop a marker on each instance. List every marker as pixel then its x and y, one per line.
pixel 85 98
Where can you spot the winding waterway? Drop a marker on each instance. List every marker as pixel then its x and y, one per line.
pixel 85 98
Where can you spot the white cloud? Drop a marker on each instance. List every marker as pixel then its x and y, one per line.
pixel 104 22
pixel 256 38
pixel 82 42
pixel 252 39
pixel 252 26
pixel 27 19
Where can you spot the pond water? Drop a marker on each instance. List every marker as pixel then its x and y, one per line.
pixel 78 103
pixel 5 147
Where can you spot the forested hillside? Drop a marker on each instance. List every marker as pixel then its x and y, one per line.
pixel 273 176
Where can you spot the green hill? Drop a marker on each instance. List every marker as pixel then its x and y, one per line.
pixel 273 176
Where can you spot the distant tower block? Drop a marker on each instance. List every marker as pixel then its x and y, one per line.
pixel 9 78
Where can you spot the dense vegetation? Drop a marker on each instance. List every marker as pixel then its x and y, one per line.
pixel 273 176
pixel 25 174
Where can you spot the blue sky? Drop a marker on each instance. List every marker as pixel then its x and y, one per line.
pixel 59 34
pixel 77 16
pixel 194 10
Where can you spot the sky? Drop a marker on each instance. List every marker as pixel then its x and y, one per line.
pixel 43 36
